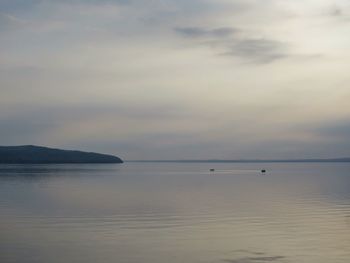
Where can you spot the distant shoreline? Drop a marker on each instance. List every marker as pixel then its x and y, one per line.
pixel 32 154
pixel 335 160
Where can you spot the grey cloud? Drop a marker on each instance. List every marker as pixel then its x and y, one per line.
pixel 321 148
pixel 26 127
pixel 107 1
pixel 9 21
pixel 258 50
pixel 34 125
pixel 255 259
pixel 60 114
pixel 335 11
pixel 336 129
pixel 339 12
pixel 154 145
pixel 195 32
pixel 17 5
pixel 267 258
pixel 28 121
pixel 22 5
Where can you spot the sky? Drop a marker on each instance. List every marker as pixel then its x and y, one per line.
pixel 177 79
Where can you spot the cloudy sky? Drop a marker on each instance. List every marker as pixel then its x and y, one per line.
pixel 177 79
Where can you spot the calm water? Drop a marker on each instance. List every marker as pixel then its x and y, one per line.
pixel 175 213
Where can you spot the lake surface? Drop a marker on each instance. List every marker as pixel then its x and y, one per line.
pixel 175 213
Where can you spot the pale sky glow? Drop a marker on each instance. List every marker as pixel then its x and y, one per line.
pixel 185 79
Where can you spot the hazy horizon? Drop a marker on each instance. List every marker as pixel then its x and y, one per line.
pixel 166 79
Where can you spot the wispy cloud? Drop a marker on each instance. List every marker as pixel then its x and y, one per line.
pixel 255 259
pixel 258 50
pixel 195 32
pixel 335 11
pixel 8 21
pixel 337 130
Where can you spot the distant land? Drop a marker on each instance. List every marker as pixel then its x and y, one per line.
pixel 332 160
pixel 32 154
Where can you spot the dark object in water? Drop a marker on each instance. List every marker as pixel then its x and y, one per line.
pixel 263 171
pixel 212 170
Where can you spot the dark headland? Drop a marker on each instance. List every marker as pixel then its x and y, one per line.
pixel 42 155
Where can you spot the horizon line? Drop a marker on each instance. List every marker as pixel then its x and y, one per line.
pixel 341 159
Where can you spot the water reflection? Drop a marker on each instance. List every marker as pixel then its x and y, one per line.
pixel 175 213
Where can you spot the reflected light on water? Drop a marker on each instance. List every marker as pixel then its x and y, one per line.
pixel 159 212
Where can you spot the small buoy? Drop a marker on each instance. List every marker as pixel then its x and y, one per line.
pixel 263 171
pixel 212 170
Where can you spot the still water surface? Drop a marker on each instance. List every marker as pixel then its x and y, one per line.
pixel 175 213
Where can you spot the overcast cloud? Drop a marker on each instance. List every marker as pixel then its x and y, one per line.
pixel 177 79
